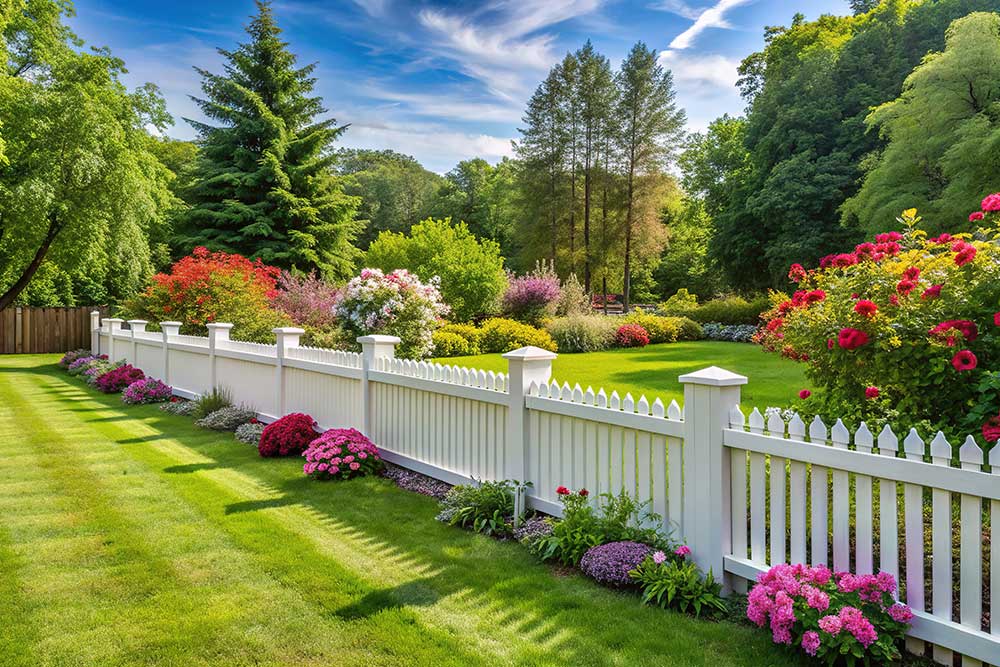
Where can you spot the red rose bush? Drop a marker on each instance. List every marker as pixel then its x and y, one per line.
pixel 289 435
pixel 117 379
pixel 341 453
pixel 904 329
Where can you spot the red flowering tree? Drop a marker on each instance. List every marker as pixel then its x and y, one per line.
pixel 905 329
pixel 213 287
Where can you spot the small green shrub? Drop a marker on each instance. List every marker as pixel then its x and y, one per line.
pixel 660 329
pixel 332 338
pixel 681 302
pixel 503 335
pixel 487 507
pixel 452 345
pixel 249 433
pixel 677 584
pixel 688 329
pixel 467 331
pixel 178 406
pixel 724 310
pixel 209 402
pixel 583 333
pixel 228 418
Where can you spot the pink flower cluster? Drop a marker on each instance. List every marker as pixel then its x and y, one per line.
pixel 341 453
pixel 812 606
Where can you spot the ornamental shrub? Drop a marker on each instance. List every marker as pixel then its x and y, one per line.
pixel 452 345
pixel 583 333
pixel 307 300
pixel 81 364
pixel 574 299
pixel 671 581
pixel 210 401
pixel 688 329
pixel 485 507
pixel 72 356
pixel 98 367
pixel 467 331
pixel 914 317
pixel 725 309
pixel 179 406
pixel 249 433
pixel 534 296
pixel 610 564
pixel 732 333
pixel 228 418
pixel 213 287
pixel 659 328
pixel 341 453
pixel 397 304
pixel 289 435
pixel 631 335
pixel 831 615
pixel 147 390
pixel 503 335
pixel 116 379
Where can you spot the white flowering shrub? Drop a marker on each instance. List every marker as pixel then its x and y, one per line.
pixel 396 304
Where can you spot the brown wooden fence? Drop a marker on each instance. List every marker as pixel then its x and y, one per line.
pixel 38 330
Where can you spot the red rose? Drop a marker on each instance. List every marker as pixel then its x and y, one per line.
pixel 815 296
pixel 905 286
pixel 911 273
pixel 871 392
pixel 796 273
pixel 775 324
pixel 888 237
pixel 932 292
pixel 804 394
pixel 893 299
pixel 851 339
pixel 996 319
pixel 991 429
pixel 829 343
pixel 562 491
pixel 964 252
pixel 992 202
pixel 968 329
pixel 865 307
pixel 964 360
pixel 584 492
pixel 941 240
pixel 973 217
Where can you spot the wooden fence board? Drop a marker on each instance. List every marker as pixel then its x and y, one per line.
pixel 40 330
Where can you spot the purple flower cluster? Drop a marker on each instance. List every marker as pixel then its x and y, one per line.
pixel 147 390
pixel 414 481
pixel 341 453
pixel 532 529
pixel 119 378
pixel 307 300
pixel 610 563
pixel 72 356
pixel 531 297
pixel 812 606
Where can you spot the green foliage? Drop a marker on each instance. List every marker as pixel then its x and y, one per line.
pixel 688 329
pixel 485 507
pixel 467 331
pixel 574 299
pixel 583 333
pixel 943 134
pixel 452 345
pixel 212 401
pixel 470 269
pixel 617 518
pixel 724 310
pixel 677 584
pixel 660 329
pixel 685 262
pixel 264 186
pixel 482 196
pixel 502 335
pixel 49 287
pixel 77 166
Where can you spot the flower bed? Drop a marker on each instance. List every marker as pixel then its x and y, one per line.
pixel 341 453
pixel 287 436
pixel 117 379
pixel 147 390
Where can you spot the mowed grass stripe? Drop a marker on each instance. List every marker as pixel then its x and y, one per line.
pixel 362 562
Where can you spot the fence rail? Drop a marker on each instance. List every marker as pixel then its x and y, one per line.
pixel 744 492
pixel 25 330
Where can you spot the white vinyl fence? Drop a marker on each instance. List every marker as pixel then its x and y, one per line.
pixel 743 492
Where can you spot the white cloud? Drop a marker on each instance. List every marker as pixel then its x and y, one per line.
pixel 678 7
pixel 713 17
pixel 454 104
pixel 373 7
pixel 709 69
pixel 438 148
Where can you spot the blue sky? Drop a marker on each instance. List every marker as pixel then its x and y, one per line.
pixel 438 79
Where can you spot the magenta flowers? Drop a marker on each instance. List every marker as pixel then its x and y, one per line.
pixel 341 453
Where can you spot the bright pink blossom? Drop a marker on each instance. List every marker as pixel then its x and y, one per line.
pixel 991 203
pixel 871 392
pixel 964 360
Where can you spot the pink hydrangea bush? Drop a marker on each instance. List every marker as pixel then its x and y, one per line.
pixel 147 390
pixel 341 453
pixel 831 616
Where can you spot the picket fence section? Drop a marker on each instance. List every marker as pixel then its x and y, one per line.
pixel 744 492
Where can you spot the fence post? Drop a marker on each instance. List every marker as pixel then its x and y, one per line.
pixel 114 326
pixel 218 334
pixel 709 398
pixel 95 332
pixel 168 329
pixel 372 348
pixel 136 326
pixel 525 366
pixel 287 337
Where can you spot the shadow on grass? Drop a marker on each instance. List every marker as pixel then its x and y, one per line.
pixel 257 505
pixel 418 593
pixel 187 468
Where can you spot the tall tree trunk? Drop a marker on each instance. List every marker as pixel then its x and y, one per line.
pixel 586 214
pixel 572 209
pixel 15 290
pixel 627 278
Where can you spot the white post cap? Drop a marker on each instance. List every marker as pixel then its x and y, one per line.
pixel 713 376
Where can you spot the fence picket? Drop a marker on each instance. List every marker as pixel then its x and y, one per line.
pixel 863 564
pixel 888 522
pixel 913 521
pixel 758 480
pixel 841 438
pixel 776 428
pixel 941 545
pixel 818 500
pixel 971 547
pixel 797 495
pixel 738 481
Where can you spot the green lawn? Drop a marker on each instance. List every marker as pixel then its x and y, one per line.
pixel 653 370
pixel 131 537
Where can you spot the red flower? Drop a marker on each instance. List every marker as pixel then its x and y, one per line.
pixel 973 217
pixel 871 392
pixel 888 237
pixel 844 259
pixel 829 343
pixel 905 286
pixel 815 296
pixel 932 292
pixel 804 394
pixel 941 240
pixel 851 339
pixel 584 492
pixel 911 273
pixel 996 319
pixel 964 252
pixel 775 324
pixel 865 307
pixel 964 360
pixel 562 491
pixel 991 429
pixel 253 420
pixel 992 202
pixel 797 273
pixel 290 434
pixel 968 329
pixel 893 299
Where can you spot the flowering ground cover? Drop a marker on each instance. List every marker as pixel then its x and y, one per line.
pixel 653 370
pixel 131 536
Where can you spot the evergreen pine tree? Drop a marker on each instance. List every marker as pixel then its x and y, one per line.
pixel 264 186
